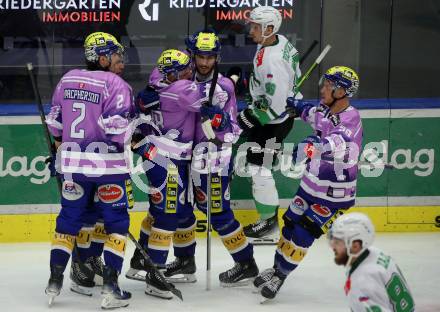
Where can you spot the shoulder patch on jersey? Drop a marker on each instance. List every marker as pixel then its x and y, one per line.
pixel 335 120
pixel 260 56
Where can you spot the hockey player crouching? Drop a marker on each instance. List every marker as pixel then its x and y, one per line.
pixel 92 108
pixel 328 186
pixel 374 281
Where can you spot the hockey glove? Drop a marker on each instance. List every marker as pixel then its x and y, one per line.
pixel 295 107
pixel 220 119
pixel 234 73
pixel 307 149
pixel 147 100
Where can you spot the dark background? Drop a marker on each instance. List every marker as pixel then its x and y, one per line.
pixel 394 45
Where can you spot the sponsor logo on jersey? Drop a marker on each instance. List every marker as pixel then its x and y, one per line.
pixel 110 193
pixel 260 56
pixel 200 196
pixel 270 76
pixel 347 286
pixel 72 190
pixel 156 197
pixel 321 210
pixel 182 197
pixel 298 205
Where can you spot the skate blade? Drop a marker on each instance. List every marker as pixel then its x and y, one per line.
pixel 109 302
pixel 264 300
pixel 257 290
pixel 182 278
pixel 134 274
pixel 263 241
pixel 151 291
pixel 51 299
pixel 99 281
pixel 85 291
pixel 243 282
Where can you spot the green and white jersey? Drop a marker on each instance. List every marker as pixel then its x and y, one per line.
pixel 375 284
pixel 275 74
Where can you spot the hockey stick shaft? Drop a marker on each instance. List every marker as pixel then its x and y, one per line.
pixel 151 265
pixel 47 135
pixel 309 50
pixel 314 65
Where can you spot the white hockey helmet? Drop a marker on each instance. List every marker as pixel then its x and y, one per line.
pixel 266 16
pixel 351 227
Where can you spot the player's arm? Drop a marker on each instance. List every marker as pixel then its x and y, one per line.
pixel 117 113
pixel 54 119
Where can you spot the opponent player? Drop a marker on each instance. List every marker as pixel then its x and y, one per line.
pixel 89 117
pixel 275 75
pixel 374 281
pixel 328 186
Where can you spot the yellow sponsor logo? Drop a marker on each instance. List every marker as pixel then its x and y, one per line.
pixel 84 237
pixel 159 239
pixel 182 237
pixel 290 250
pixel 147 223
pixel 99 232
pixel 235 241
pixel 116 243
pixel 64 240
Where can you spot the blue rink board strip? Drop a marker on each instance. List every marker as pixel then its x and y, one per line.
pixel 29 109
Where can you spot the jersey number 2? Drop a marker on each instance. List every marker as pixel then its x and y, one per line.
pixel 78 133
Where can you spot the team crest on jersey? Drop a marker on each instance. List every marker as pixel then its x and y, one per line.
pixel 200 196
pixel 321 210
pixel 72 190
pixel 260 56
pixel 82 85
pixel 156 197
pixel 110 193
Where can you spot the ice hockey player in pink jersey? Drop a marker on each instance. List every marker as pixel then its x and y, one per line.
pixel 90 113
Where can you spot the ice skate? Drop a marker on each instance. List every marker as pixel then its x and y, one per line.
pixel 240 275
pixel 96 264
pixel 81 279
pixel 263 232
pixel 155 285
pixel 137 267
pixel 55 283
pixel 262 279
pixel 181 270
pixel 112 296
pixel 271 288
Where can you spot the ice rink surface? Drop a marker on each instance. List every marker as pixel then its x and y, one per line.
pixel 317 285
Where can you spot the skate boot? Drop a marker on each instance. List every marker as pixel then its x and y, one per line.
pixel 137 267
pixel 271 288
pixel 96 264
pixel 263 232
pixel 112 296
pixel 263 278
pixel 82 278
pixel 240 275
pixel 55 283
pixel 156 284
pixel 185 267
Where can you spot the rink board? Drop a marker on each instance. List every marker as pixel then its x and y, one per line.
pixel 406 198
pixel 39 227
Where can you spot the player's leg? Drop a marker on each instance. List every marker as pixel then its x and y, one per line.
pixel 94 261
pixel 74 200
pixel 183 268
pixel 260 161
pixel 114 200
pixel 228 227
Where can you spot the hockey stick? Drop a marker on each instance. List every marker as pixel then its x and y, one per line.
pixel 309 50
pixel 209 178
pixel 313 66
pixel 47 135
pixel 151 265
